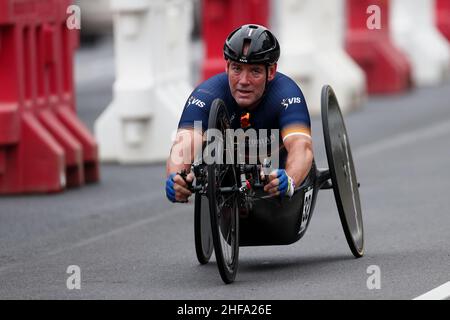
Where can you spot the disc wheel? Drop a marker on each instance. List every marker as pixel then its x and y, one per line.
pixel 202 229
pixel 342 171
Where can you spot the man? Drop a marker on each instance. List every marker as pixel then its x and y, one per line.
pixel 251 88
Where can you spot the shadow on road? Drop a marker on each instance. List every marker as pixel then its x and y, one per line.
pixel 274 264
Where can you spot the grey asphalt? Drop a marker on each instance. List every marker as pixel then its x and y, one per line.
pixel 131 243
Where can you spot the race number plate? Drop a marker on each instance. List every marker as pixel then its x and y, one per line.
pixel 306 209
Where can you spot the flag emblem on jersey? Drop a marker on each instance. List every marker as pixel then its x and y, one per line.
pixel 245 120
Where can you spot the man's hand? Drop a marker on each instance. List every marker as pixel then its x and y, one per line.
pixel 177 189
pixel 280 184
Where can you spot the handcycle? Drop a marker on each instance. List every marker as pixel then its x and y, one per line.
pixel 232 210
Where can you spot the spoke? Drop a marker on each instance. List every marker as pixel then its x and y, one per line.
pixel 222 175
pixel 226 234
pixel 225 246
pixel 225 249
pixel 228 198
pixel 221 204
pixel 220 207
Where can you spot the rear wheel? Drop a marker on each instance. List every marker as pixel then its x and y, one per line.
pixel 222 194
pixel 342 171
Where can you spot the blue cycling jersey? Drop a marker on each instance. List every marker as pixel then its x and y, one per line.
pixel 282 107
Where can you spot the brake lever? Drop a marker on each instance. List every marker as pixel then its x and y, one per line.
pixel 261 180
pixel 183 174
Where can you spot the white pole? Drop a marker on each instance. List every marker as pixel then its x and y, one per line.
pixel 150 87
pixel 413 29
pixel 311 34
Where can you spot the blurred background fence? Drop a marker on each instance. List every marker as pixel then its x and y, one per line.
pixel 160 49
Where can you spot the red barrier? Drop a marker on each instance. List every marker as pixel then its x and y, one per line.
pixel 387 68
pixel 220 17
pixel 443 17
pixel 43 145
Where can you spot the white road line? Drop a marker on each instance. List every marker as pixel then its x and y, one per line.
pixel 442 128
pixel 402 139
pixel 439 293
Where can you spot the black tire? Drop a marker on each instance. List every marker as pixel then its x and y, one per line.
pixel 342 171
pixel 202 229
pixel 223 206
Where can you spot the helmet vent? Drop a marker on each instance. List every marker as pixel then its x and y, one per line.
pixel 246 47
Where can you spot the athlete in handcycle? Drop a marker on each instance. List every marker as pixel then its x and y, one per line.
pixel 239 204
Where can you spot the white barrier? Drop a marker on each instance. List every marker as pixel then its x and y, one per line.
pixel 152 82
pixel 413 29
pixel 311 35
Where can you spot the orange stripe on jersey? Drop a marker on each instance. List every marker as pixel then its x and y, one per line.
pixel 295 129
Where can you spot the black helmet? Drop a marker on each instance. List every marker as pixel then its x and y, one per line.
pixel 263 46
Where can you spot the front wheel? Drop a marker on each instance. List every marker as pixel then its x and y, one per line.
pixel 222 194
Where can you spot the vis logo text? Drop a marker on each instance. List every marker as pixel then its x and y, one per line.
pixel 196 102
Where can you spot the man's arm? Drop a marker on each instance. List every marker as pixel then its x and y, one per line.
pixel 187 143
pixel 298 163
pixel 299 158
